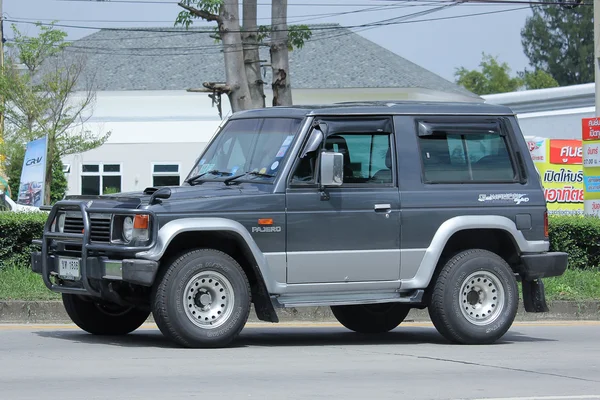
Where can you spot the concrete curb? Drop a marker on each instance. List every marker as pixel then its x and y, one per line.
pixel 25 312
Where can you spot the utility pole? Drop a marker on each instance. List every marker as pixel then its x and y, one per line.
pixel 1 96
pixel 596 53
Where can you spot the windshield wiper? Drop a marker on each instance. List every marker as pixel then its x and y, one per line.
pixel 254 173
pixel 212 172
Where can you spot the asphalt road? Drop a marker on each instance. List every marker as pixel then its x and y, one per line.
pixel 534 361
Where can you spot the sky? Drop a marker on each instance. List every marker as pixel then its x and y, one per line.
pixel 439 43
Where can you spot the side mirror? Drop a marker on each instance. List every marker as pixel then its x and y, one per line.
pixel 332 169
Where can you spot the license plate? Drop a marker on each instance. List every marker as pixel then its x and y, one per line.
pixel 68 268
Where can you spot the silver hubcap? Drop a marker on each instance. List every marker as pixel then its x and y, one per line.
pixel 208 299
pixel 481 298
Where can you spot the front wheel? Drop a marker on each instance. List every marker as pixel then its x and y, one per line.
pixel 103 319
pixel 475 298
pixel 202 300
pixel 371 318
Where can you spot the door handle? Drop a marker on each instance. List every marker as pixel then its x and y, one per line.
pixel 383 207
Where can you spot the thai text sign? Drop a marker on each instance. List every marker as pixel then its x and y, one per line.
pixel 590 134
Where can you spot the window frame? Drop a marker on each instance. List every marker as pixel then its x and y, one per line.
pixel 101 174
pixel 503 131
pixel 153 173
pixel 316 181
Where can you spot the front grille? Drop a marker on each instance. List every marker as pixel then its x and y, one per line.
pixel 100 227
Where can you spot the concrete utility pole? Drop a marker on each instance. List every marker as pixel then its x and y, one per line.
pixel 1 97
pixel 1 67
pixel 596 52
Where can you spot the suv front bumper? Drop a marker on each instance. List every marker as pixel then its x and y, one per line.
pixel 139 272
pixel 88 271
pixel 543 265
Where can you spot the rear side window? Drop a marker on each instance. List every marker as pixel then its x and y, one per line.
pixel 469 155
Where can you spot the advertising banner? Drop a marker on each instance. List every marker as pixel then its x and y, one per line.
pixel 590 134
pixel 31 188
pixel 559 162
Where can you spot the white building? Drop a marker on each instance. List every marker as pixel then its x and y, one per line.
pixel 554 113
pixel 158 129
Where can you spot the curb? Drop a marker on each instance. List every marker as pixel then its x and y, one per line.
pixel 27 312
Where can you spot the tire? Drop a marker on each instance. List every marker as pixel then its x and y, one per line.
pixel 103 319
pixel 202 299
pixel 371 318
pixel 474 299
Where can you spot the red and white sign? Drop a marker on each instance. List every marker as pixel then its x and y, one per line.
pixel 591 154
pixel 591 207
pixel 566 151
pixel 537 149
pixel 590 128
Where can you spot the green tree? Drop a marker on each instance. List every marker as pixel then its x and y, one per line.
pixel 40 100
pixel 494 77
pixel 538 79
pixel 560 41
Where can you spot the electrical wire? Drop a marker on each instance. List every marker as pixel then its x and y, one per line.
pixel 197 31
pixel 217 49
pixel 329 4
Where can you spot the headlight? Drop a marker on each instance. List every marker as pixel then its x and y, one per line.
pixel 128 229
pixel 61 222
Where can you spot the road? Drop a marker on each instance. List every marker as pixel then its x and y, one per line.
pixel 301 361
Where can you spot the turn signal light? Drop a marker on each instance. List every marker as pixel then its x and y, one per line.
pixel 265 221
pixel 140 222
pixel 546 223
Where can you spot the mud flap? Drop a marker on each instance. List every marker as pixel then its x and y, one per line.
pixel 534 296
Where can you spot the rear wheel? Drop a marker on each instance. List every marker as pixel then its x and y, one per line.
pixel 202 300
pixel 475 298
pixel 371 318
pixel 103 319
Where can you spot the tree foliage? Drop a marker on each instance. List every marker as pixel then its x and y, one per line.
pixel 494 77
pixel 41 100
pixel 537 79
pixel 560 41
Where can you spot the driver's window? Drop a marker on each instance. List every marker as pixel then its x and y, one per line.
pixel 305 171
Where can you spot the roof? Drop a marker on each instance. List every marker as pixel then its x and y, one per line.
pixel 546 100
pixel 179 59
pixel 380 108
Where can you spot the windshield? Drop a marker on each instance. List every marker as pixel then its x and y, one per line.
pixel 248 145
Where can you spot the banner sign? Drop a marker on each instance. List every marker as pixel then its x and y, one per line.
pixel 559 163
pixel 590 134
pixel 31 188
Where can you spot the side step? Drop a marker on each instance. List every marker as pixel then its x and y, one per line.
pixel 413 297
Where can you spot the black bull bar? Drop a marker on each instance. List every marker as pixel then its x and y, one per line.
pixel 84 239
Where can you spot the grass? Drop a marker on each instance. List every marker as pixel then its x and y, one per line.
pixel 574 285
pixel 17 283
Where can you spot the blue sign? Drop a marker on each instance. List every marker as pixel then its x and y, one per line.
pixel 31 187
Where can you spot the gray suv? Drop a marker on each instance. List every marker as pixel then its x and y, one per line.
pixel 371 209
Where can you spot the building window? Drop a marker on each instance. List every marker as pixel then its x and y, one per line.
pixel 97 179
pixel 165 175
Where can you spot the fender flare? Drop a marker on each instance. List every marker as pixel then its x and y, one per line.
pixel 166 234
pixel 460 223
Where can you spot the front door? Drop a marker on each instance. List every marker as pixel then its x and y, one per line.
pixel 352 233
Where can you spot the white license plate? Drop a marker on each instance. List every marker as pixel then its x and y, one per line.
pixel 68 268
